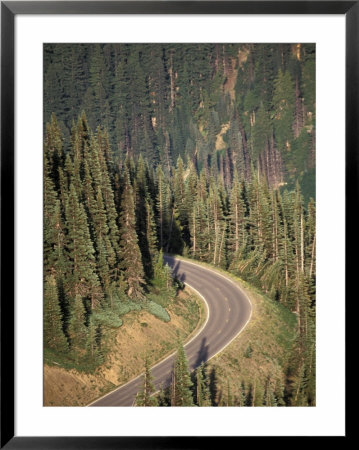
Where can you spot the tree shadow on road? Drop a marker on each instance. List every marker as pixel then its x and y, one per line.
pixel 202 354
pixel 175 268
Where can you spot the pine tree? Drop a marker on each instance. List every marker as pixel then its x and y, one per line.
pixel 162 206
pixel 163 397
pixel 131 261
pixel 56 264
pixel 269 397
pixel 217 226
pixel 151 237
pixel 53 230
pixel 202 388
pixel 181 381
pixel 53 149
pixel 106 189
pixel 54 337
pixel 95 352
pixel 77 329
pixel 229 399
pixel 82 278
pixel 237 222
pixel 145 395
pixel 162 277
pixel 242 395
pixel 179 192
pixel 258 394
pixel 145 222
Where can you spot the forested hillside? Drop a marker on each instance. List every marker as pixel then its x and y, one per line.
pixel 100 246
pixel 207 151
pixel 225 107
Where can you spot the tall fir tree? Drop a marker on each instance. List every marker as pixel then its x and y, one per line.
pixel 181 394
pixel 54 337
pixel 145 395
pixel 131 260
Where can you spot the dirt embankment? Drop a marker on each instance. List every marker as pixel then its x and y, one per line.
pixel 140 334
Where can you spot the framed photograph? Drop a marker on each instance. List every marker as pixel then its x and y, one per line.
pixel 175 188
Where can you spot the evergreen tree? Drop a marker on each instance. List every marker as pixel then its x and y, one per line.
pixel 162 206
pixel 151 236
pixel 77 330
pixel 54 337
pixel 162 278
pixel 53 149
pixel 181 394
pixel 202 388
pixel 242 396
pixel 145 222
pixel 131 261
pixel 269 397
pixel 144 396
pixel 229 399
pixel 237 222
pixel 82 279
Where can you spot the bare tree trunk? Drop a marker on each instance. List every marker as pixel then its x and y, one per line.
pixel 173 390
pixel 246 157
pixel 312 257
pixel 215 247
pixel 275 229
pixel 172 104
pixel 220 248
pixel 167 150
pixel 161 216
pixel 170 231
pixel 302 241
pixel 285 254
pixel 236 228
pixel 194 232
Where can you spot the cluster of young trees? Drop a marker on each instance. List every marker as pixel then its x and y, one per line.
pixel 224 106
pixel 200 388
pixel 179 393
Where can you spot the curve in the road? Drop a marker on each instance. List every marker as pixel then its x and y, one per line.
pixel 229 311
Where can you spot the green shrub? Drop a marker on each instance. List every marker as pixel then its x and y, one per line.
pixel 248 352
pixel 123 308
pixel 106 318
pixel 157 310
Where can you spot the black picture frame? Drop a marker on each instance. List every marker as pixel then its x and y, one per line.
pixel 9 9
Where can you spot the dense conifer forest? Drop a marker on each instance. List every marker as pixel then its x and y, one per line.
pixel 225 107
pixel 207 151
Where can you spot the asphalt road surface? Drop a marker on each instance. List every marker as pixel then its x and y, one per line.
pixel 229 310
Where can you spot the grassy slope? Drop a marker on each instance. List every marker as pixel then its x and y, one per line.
pixel 261 350
pixel 140 333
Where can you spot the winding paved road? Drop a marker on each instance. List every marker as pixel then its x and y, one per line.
pixel 229 311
